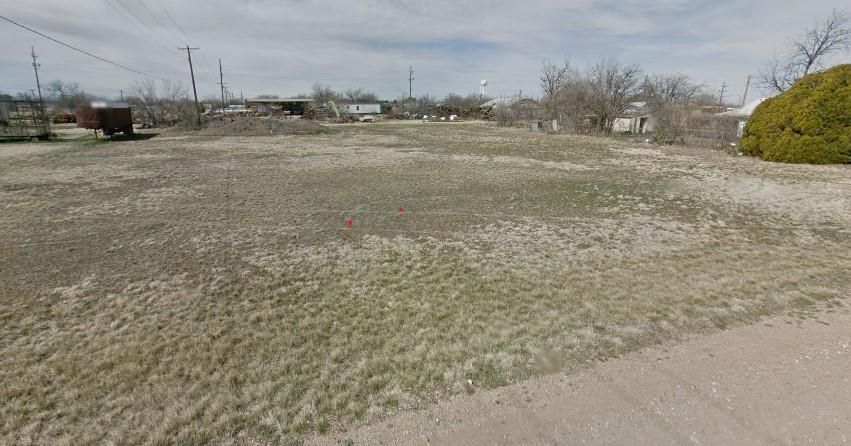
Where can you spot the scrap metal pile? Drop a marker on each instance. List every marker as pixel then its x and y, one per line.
pixel 473 113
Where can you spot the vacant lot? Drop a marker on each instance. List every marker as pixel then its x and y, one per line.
pixel 197 289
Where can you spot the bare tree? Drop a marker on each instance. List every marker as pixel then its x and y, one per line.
pixel 324 93
pixel 553 80
pixel 660 90
pixel 612 88
pixel 267 96
pixel 671 97
pixel 468 101
pixel 166 104
pixel 575 101
pixel 806 53
pixel 67 95
pixel 359 95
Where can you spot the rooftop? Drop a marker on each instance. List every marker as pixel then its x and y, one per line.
pixel 745 111
pixel 279 100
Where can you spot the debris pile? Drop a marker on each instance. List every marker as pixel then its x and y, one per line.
pixel 247 126
pixel 61 117
pixel 472 113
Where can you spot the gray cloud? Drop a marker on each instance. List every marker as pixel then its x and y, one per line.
pixel 284 46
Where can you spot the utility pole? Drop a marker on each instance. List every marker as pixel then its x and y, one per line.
pixel 723 90
pixel 747 87
pixel 121 92
pixel 222 85
pixel 411 82
pixel 38 86
pixel 192 73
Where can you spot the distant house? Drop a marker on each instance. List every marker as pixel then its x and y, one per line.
pixel 361 109
pixel 274 107
pixel 745 111
pixel 636 119
pixel 743 114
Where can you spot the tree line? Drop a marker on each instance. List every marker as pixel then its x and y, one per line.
pixel 592 99
pixel 597 96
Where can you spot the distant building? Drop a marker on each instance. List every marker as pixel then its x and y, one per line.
pixel 743 114
pixel 361 109
pixel 745 111
pixel 636 119
pixel 275 107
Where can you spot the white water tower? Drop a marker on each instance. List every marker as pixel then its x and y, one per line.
pixel 483 86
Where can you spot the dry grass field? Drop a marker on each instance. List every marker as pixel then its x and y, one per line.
pixel 191 289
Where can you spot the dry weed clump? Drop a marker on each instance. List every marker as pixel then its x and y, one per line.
pixel 246 126
pixel 204 290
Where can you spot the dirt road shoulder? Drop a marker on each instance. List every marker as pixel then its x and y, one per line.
pixel 781 381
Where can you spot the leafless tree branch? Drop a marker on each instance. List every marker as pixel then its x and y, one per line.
pixel 806 53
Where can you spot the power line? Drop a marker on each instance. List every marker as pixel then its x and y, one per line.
pixel 208 76
pixel 137 25
pixel 157 38
pixel 146 29
pixel 102 68
pixel 81 51
pixel 175 23
pixel 206 62
pixel 144 23
pixel 157 19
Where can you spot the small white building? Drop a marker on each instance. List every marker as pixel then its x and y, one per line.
pixel 361 109
pixel 636 119
pixel 743 114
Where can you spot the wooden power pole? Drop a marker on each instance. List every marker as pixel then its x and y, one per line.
pixel 192 73
pixel 38 86
pixel 411 82
pixel 747 87
pixel 222 85
pixel 723 91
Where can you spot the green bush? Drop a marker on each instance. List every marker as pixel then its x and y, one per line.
pixel 809 123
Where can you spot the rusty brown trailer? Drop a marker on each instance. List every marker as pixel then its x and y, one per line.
pixel 109 120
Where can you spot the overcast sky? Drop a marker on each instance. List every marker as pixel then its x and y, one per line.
pixel 284 46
